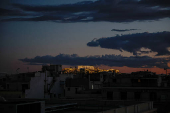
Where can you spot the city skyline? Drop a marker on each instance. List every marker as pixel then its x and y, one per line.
pixel 129 35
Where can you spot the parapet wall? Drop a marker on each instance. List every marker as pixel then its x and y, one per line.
pixel 146 107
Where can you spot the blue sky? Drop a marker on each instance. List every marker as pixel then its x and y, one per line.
pixel 54 27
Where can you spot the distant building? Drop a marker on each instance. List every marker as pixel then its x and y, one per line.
pixel 88 85
pixel 43 84
pixel 87 70
pixel 143 85
pixel 85 67
pixel 52 68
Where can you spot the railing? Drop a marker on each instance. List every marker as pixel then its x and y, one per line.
pixel 60 107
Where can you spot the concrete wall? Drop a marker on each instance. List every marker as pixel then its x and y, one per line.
pixel 7 108
pixel 11 94
pixel 121 110
pixel 145 96
pixel 125 81
pixel 143 107
pixel 72 93
pixel 36 87
pixel 138 108
pixel 42 106
pixel 116 95
pixel 163 96
pixel 16 86
pixel 64 76
pixel 58 87
pixel 130 95
pixel 131 109
pixel 49 81
pixel 12 107
pixel 95 85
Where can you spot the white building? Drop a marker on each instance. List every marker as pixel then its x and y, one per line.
pixel 35 85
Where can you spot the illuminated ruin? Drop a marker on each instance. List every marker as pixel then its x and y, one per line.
pixel 86 70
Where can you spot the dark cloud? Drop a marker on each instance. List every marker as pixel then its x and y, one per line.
pixel 160 3
pixel 164 3
pixel 77 7
pixel 100 10
pixel 157 42
pixel 10 12
pixel 123 30
pixel 109 60
pixel 93 43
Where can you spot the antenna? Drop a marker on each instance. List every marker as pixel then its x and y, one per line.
pixel 17 70
pixel 166 70
pixel 28 69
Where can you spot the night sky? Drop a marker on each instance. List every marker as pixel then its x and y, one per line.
pixel 129 35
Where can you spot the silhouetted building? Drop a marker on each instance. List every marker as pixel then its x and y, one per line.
pixel 35 85
pixel 146 86
pixel 52 68
pixel 19 106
